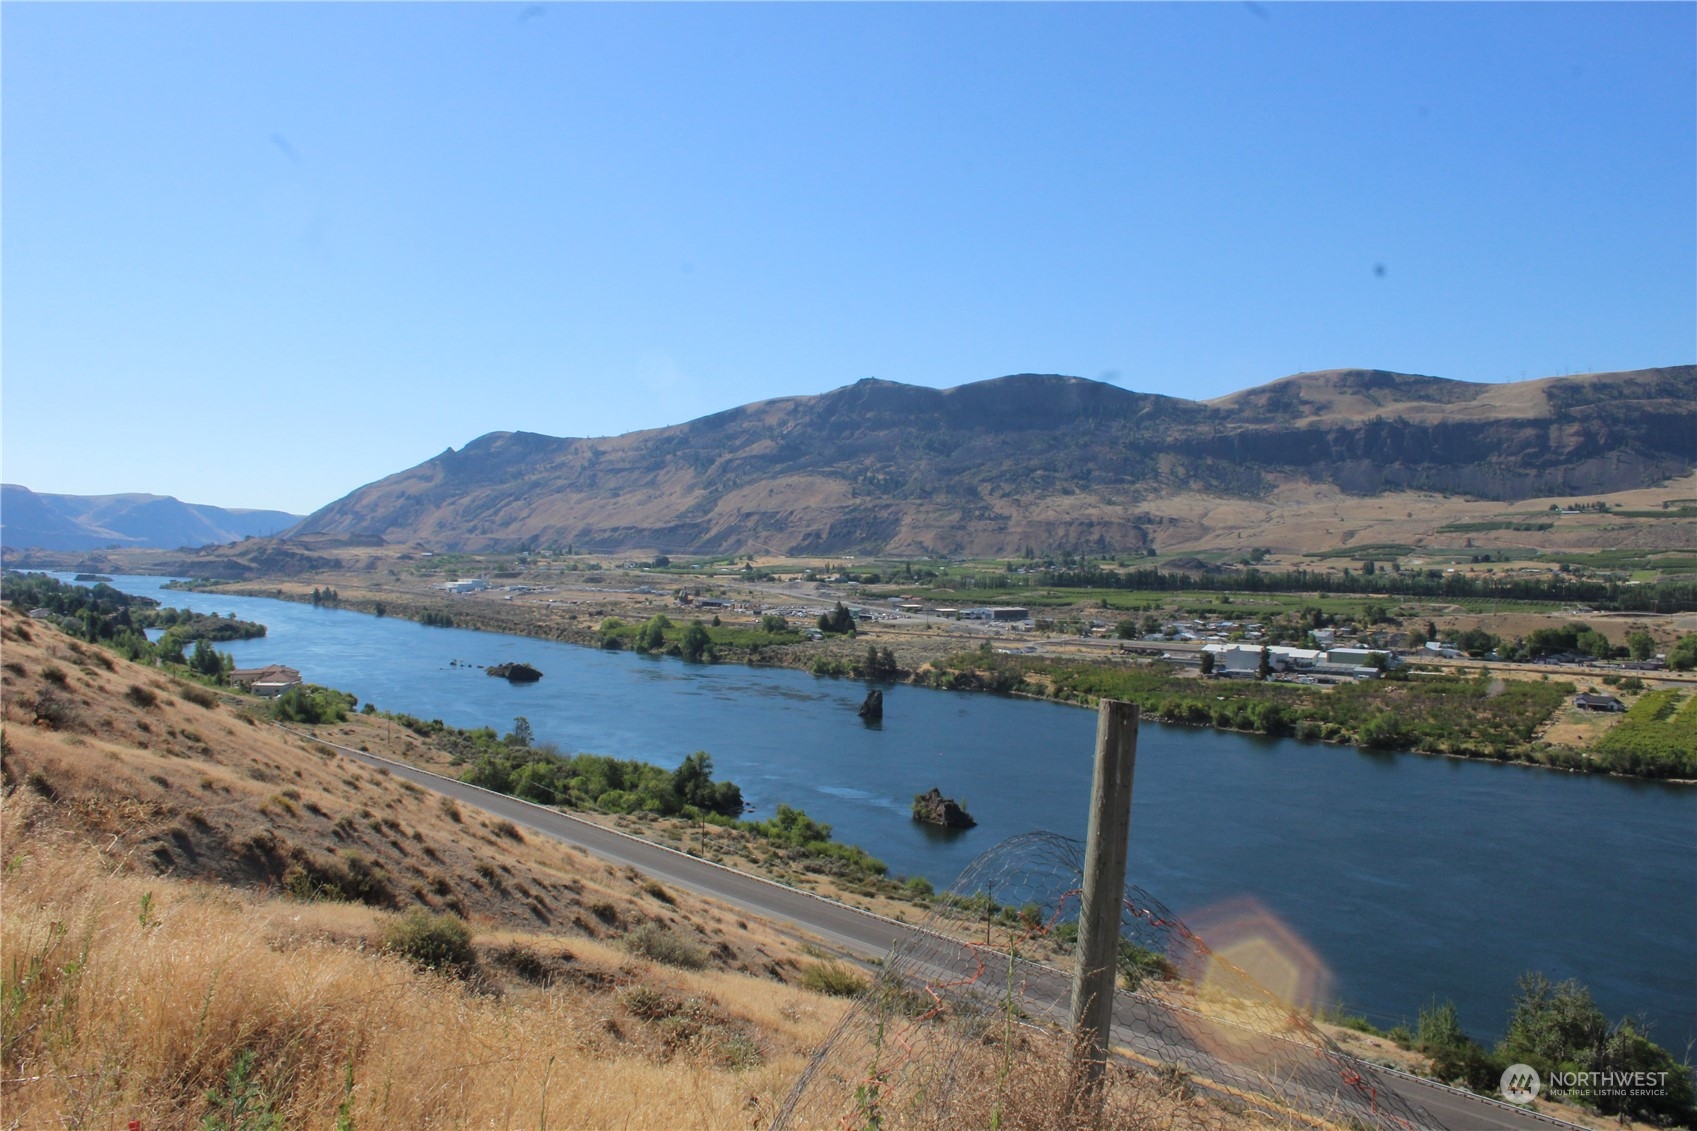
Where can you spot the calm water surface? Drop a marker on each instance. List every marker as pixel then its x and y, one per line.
pixel 1411 877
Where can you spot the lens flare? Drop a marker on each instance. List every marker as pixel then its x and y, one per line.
pixel 1243 934
pixel 1254 977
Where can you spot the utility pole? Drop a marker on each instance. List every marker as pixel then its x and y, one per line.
pixel 1097 959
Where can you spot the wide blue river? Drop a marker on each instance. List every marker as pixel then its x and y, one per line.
pixel 1411 878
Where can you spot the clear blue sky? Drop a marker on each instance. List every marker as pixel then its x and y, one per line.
pixel 260 254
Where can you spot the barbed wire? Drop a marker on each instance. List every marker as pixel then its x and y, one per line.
pixel 979 995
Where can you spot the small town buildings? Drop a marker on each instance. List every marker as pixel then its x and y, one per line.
pixel 466 585
pixel 996 613
pixel 1591 701
pixel 1238 659
pixel 1245 659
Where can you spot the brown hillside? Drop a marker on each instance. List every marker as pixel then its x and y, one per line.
pixel 1047 461
pixel 193 783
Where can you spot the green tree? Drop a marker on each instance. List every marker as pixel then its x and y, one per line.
pixel 651 637
pixel 1439 1027
pixel 1555 1025
pixel 171 648
pixel 1640 645
pixel 1682 657
pixel 1594 643
pixel 1456 1057
pixel 209 662
pixel 696 644
pixel 1628 1050
pixel 693 782
pixel 839 620
pixel 1207 663
pixel 1478 643
pixel 521 735
pixel 1545 641
pixel 693 778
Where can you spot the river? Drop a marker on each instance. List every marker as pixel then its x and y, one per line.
pixel 1411 878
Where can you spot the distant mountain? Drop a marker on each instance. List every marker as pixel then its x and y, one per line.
pixel 90 522
pixel 1044 461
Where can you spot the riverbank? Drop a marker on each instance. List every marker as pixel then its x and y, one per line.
pixel 1480 714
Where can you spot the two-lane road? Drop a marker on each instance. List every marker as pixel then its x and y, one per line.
pixel 870 936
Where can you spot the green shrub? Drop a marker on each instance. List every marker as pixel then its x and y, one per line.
pixel 649 1004
pixel 1137 965
pixel 350 878
pixel 312 705
pixel 832 978
pixel 432 942
pixel 141 696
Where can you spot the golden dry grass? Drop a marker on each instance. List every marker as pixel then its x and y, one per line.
pixel 940 1075
pixel 130 996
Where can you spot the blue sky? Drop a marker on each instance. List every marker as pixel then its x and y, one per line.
pixel 260 254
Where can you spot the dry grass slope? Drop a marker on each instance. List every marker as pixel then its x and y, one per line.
pixel 169 955
pixel 129 996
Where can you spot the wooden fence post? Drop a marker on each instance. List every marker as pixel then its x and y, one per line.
pixel 1097 959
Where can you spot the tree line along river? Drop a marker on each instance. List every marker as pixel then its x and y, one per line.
pixel 1412 878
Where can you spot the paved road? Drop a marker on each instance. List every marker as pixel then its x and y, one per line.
pixel 872 936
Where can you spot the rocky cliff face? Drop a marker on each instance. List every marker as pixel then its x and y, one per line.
pixel 1049 461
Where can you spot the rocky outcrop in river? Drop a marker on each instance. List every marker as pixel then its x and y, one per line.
pixel 515 673
pixel 935 809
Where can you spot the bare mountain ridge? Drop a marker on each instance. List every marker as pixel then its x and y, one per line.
pixel 86 522
pixel 1043 460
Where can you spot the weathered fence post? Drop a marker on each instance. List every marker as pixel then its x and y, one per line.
pixel 1104 888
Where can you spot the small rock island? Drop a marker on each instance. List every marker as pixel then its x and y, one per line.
pixel 935 809
pixel 515 673
pixel 873 709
